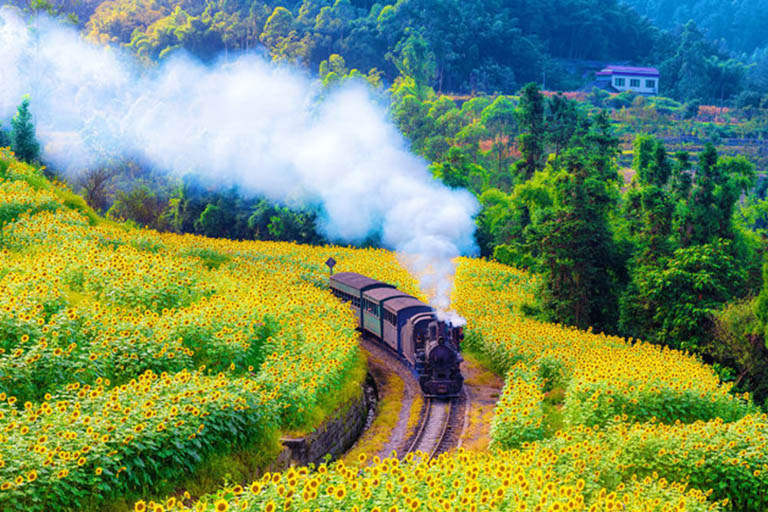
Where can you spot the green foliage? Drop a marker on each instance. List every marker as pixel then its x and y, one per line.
pixel 5 137
pixel 578 254
pixel 739 23
pixel 737 343
pixel 412 58
pixel 211 259
pixel 689 257
pixel 531 112
pixel 23 141
pixel 761 305
pixel 140 205
pixel 681 292
pixel 333 72
pixel 487 46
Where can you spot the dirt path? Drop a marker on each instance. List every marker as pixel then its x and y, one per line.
pixel 483 388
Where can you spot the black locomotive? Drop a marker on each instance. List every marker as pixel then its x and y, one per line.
pixel 408 327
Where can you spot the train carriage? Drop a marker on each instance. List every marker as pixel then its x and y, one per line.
pixel 349 287
pixel 399 311
pixel 417 330
pixel 410 328
pixel 374 313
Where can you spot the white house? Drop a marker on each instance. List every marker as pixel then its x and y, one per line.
pixel 627 78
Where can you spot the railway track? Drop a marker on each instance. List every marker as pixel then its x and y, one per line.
pixel 434 426
pixel 441 421
pixel 440 427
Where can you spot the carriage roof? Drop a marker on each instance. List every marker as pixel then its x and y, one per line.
pixel 380 294
pixel 403 303
pixel 358 281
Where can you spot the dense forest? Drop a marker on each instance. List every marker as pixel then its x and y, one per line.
pixel 645 217
pixel 488 46
pixel 739 24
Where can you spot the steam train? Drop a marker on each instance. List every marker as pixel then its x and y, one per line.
pixel 408 327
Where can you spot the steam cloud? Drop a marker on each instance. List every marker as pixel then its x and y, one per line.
pixel 244 122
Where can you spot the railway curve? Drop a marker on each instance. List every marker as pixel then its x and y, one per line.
pixel 441 421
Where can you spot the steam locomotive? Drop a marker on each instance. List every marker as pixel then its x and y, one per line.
pixel 411 329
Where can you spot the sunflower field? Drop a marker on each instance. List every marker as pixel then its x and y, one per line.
pixel 131 360
pixel 129 357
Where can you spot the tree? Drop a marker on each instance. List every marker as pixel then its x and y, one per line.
pixel 5 138
pixel 576 243
pixel 530 115
pixel 94 187
pixel 282 38
pixel 272 222
pixel 215 221
pixel 413 58
pixel 23 141
pixel 689 259
pixel 500 120
pixel 761 305
pixel 651 199
pixel 682 292
pixel 457 171
pixel 562 122
pixel 140 205
pixel 737 340
pixel 715 190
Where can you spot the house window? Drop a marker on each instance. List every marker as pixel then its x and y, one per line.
pixel 634 82
pixel 619 82
pixel 650 84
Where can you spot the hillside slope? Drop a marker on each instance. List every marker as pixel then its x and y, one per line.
pixel 116 342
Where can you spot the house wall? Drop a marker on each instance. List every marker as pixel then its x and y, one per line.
pixel 642 88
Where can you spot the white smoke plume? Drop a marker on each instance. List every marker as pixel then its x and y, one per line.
pixel 246 122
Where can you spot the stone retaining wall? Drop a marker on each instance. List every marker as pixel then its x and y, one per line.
pixel 334 437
